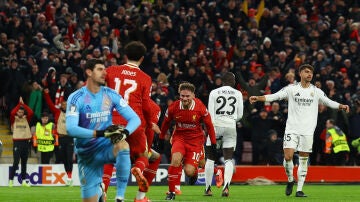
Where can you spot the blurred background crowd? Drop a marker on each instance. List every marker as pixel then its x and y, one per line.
pixel 45 44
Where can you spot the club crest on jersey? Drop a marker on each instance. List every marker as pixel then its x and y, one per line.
pixel 72 110
pixel 194 117
pixel 312 94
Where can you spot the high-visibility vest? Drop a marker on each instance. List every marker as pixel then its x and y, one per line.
pixel 44 136
pixel 339 141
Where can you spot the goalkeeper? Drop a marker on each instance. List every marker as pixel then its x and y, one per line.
pixel 97 141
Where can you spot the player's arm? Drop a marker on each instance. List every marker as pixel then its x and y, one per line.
pixel 240 105
pixel 155 115
pixel 281 94
pixel 133 120
pixel 330 103
pixel 166 124
pixel 72 119
pixel 211 105
pixel 209 125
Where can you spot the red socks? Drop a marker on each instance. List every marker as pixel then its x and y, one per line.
pixel 173 177
pixel 108 169
pixel 150 172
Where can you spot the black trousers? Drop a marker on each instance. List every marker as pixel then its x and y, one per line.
pixel 66 152
pixel 21 150
pixel 46 156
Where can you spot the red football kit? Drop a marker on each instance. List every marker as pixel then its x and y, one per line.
pixel 188 136
pixel 134 86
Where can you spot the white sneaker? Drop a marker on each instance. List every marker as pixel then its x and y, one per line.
pixel 69 182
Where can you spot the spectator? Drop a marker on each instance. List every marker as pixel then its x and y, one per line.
pixel 65 44
pixel 44 138
pixel 261 124
pixel 336 144
pixel 273 148
pixel 20 118
pixel 64 153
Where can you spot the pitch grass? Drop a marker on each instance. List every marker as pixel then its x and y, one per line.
pixel 190 193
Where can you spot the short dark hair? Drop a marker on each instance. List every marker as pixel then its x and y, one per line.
pixel 331 121
pixel 228 79
pixel 135 50
pixel 306 66
pixel 90 64
pixel 187 86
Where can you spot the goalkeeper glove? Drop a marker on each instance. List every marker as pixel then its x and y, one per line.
pixel 115 132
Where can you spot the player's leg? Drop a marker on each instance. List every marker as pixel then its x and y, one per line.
pixel 290 143
pixel 177 154
pixel 90 170
pixel 228 145
pixel 209 170
pixel 121 151
pixel 139 155
pixel 301 173
pixel 305 148
pixel 191 162
pixel 228 169
pixel 108 170
pixel 154 162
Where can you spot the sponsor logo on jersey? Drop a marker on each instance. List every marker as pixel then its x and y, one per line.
pixel 297 94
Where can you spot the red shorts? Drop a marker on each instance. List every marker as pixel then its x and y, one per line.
pixel 137 142
pixel 192 154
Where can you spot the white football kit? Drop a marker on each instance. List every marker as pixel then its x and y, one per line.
pixel 226 108
pixel 302 113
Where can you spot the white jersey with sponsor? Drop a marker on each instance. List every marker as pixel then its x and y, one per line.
pixel 302 107
pixel 225 106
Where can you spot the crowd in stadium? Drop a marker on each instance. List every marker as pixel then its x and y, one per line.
pixel 45 44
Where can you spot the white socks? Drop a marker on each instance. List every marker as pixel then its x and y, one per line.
pixel 289 167
pixel 228 172
pixel 302 171
pixel 209 172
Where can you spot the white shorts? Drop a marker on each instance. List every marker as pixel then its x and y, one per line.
pixel 225 136
pixel 302 143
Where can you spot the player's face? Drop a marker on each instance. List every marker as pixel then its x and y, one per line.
pixel 306 75
pixel 186 98
pixel 98 74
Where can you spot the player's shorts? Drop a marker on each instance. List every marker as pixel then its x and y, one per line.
pixel 137 142
pixel 191 154
pixel 302 143
pixel 225 136
pixel 90 166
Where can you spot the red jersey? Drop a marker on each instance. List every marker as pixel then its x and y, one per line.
pixel 133 85
pixel 155 115
pixel 188 122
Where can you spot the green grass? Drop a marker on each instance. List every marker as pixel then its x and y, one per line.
pixel 190 193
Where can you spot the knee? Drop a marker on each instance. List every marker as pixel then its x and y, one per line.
pixel 122 145
pixel 288 157
pixel 189 170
